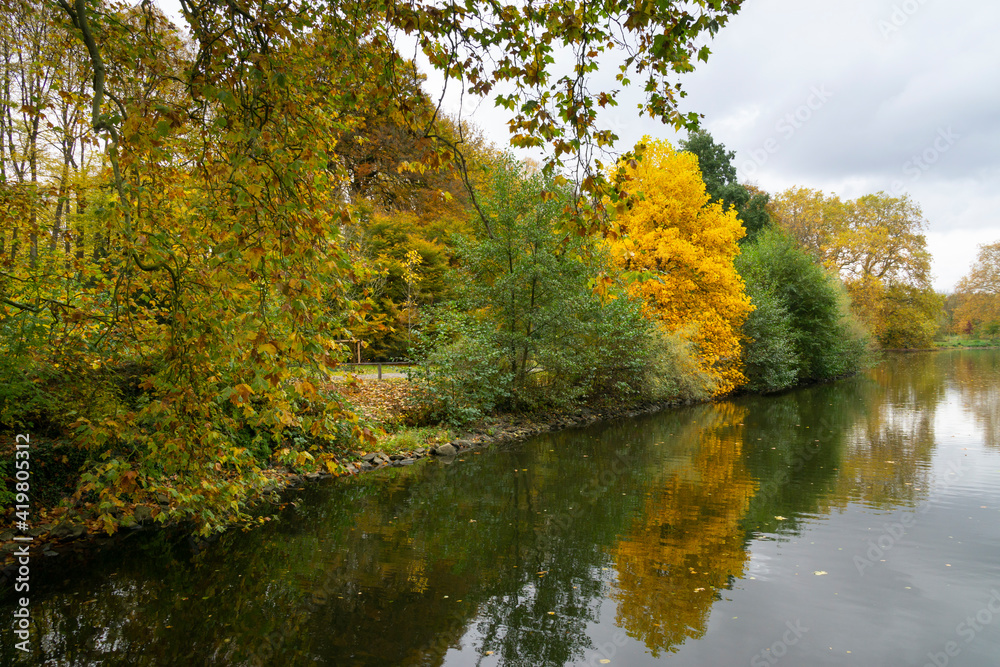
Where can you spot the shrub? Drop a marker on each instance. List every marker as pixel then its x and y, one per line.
pixel 770 361
pixel 802 304
pixel 673 370
pixel 458 369
pixel 48 396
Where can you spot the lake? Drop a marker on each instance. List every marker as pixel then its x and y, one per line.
pixel 854 523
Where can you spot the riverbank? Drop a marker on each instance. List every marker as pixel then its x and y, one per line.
pixel 60 530
pixel 748 511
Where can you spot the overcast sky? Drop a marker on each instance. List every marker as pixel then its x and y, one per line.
pixel 853 97
pixel 899 96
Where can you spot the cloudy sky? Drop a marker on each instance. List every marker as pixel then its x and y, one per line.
pixel 852 97
pixel 860 96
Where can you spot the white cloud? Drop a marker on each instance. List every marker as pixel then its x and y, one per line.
pixel 955 250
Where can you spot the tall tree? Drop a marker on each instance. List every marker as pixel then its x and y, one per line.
pixel 716 164
pixel 876 245
pixel 29 60
pixel 882 238
pixel 978 293
pixel 679 246
pixel 809 217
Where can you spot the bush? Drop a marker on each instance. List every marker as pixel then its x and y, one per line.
pixel 459 372
pixel 48 396
pixel 907 317
pixel 609 358
pixel 804 308
pixel 672 369
pixel 770 361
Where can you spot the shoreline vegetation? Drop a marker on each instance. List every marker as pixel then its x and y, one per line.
pixel 70 534
pixel 192 244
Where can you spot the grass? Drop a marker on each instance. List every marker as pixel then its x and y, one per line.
pixel 956 341
pixel 410 438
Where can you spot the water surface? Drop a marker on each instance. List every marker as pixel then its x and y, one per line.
pixel 856 523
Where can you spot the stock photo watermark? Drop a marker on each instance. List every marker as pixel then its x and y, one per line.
pixel 605 652
pixel 893 532
pixel 779 649
pixel 22 554
pixel 921 163
pixel 899 16
pixel 968 630
pixel 786 128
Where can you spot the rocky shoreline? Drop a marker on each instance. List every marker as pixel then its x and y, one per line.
pixel 73 537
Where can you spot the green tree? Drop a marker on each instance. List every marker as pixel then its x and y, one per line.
pixel 802 329
pixel 770 360
pixel 531 328
pixel 716 164
pixel 536 284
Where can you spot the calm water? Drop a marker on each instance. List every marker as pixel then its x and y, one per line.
pixel 850 524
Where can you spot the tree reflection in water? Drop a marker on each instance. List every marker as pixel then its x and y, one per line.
pixel 688 542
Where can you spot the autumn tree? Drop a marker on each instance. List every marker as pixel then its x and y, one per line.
pixel 406 201
pixel 876 245
pixel 882 254
pixel 882 238
pixel 222 272
pixel 221 230
pixel 679 247
pixel 46 166
pixel 391 158
pixel 979 292
pixel 875 237
pixel 810 217
pixel 719 174
pixel 402 269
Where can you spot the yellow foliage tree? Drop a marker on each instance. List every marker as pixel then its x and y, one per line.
pixel 979 293
pixel 876 245
pixel 679 248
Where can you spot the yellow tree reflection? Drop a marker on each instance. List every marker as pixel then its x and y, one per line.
pixel 688 542
pixel 977 377
pixel 886 459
